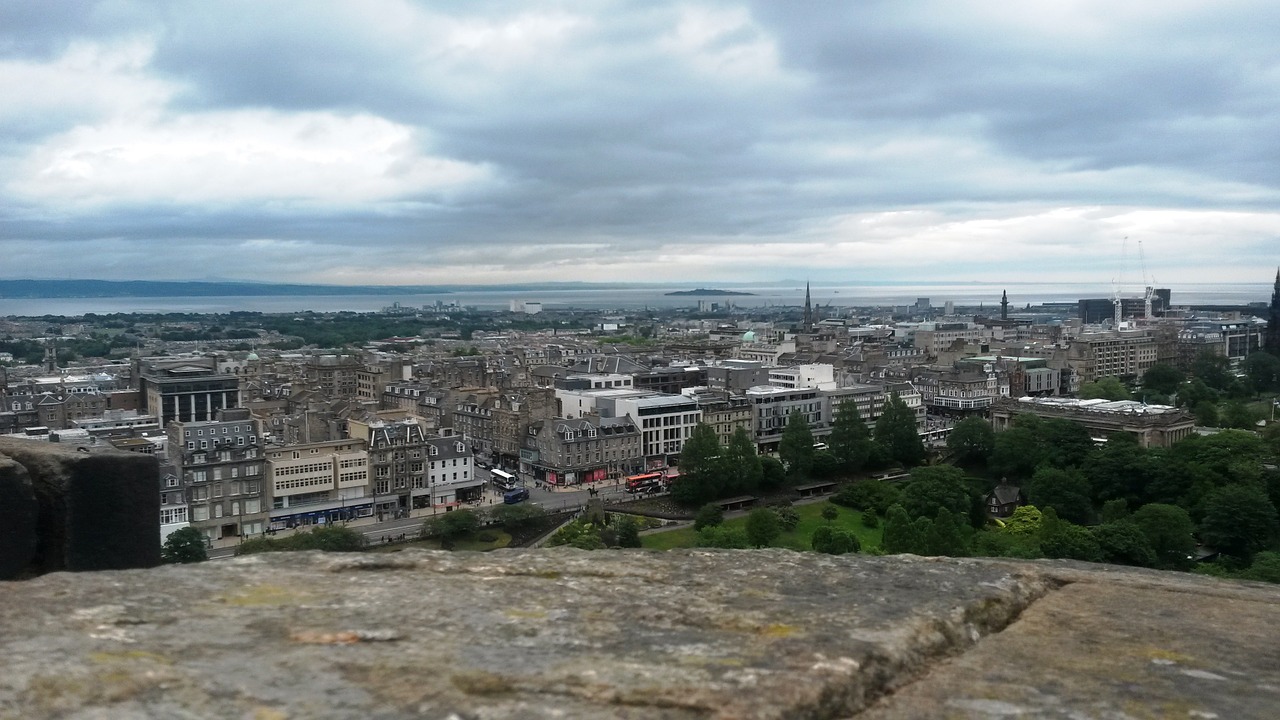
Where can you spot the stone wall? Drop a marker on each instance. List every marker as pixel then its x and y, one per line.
pixel 640 635
pixel 65 509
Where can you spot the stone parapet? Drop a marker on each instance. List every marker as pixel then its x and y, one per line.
pixel 63 509
pixel 632 634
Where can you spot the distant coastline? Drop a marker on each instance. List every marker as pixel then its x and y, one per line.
pixel 705 292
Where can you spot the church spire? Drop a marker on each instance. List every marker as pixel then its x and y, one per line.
pixel 1273 320
pixel 1004 305
pixel 808 310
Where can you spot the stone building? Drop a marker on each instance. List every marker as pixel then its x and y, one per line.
pixel 187 389
pixel 1117 353
pixel 1153 425
pixel 318 483
pixel 451 478
pixel 564 451
pixel 220 465
pixel 334 375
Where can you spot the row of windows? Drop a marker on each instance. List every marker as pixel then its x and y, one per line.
pixel 302 482
pixel 202 512
pixel 214 431
pixel 204 444
pixel 218 473
pixel 301 469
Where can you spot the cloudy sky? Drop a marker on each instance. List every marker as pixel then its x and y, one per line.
pixel 387 141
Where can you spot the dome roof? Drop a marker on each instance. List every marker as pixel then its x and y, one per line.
pixel 252 356
pixel 749 336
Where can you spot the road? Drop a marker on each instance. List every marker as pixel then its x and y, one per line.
pixel 374 531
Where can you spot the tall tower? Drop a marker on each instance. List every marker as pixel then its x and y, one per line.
pixel 1004 305
pixel 1273 320
pixel 808 310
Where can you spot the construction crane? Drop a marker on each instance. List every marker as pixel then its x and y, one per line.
pixel 1149 286
pixel 1116 302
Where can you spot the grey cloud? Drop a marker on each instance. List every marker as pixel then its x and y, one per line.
pixel 611 139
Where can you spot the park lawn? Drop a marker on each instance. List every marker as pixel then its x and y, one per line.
pixel 799 539
pixel 668 539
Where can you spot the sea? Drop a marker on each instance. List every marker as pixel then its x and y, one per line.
pixel 635 298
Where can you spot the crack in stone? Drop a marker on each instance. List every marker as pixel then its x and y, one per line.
pixel 961 635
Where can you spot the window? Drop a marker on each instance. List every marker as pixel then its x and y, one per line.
pixel 204 444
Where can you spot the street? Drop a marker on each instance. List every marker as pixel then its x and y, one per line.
pixel 374 531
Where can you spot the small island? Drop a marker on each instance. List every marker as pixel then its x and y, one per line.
pixel 700 292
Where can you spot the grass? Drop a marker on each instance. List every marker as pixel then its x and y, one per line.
pixel 798 539
pixel 469 542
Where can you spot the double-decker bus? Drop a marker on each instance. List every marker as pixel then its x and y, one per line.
pixel 503 480
pixel 647 482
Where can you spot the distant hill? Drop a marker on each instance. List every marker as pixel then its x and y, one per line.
pixel 702 292
pixel 163 288
pixel 154 288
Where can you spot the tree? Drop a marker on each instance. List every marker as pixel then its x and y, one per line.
pixel 830 512
pixel 850 441
pixel 709 515
pixel 972 441
pixel 946 536
pixel 896 433
pixel 453 525
pixel 1196 392
pixel 1114 511
pixel 1265 568
pixel 1163 378
pixel 934 487
pixel 1206 413
pixel 763 527
pixel 1017 450
pixel 1026 520
pixel 1238 415
pixel 1170 532
pixel 1213 369
pixel 899 533
pixel 1119 470
pixel 745 470
pixel 1065 443
pixel 868 494
pixel 1067 492
pixel 772 473
pixel 520 518
pixel 580 534
pixel 825 464
pixel 1263 370
pixel 796 446
pixel 702 468
pixel 1106 388
pixel 186 545
pixel 628 533
pixel 834 541
pixel 1123 543
pixel 788 518
pixel 1061 539
pixel 1239 520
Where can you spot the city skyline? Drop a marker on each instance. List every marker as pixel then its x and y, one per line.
pixel 716 142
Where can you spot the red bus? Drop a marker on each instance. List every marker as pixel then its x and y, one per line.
pixel 648 482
